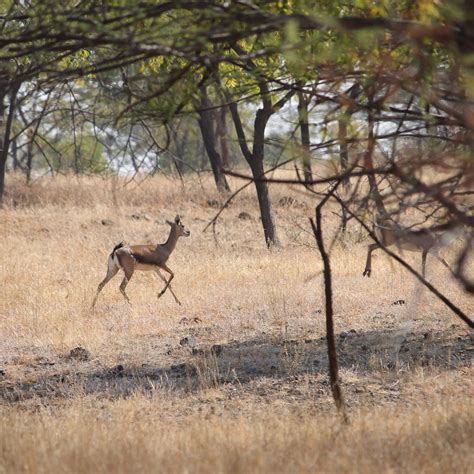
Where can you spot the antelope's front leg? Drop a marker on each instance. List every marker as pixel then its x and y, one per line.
pixel 166 269
pixel 157 271
pixel 368 263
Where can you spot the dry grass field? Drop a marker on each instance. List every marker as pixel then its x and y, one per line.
pixel 234 380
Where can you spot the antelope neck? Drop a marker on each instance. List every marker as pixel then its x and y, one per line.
pixel 170 244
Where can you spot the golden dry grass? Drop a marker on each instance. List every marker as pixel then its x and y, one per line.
pixel 143 402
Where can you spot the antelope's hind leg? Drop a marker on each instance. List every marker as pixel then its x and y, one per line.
pixel 128 275
pixel 424 254
pixel 112 270
pixel 127 263
pixel 368 263
pixel 435 253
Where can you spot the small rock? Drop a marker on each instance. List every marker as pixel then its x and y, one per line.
pixel 79 353
pixel 216 350
pixel 189 341
pixel 286 201
pixel 140 217
pixel 245 216
pixel 107 222
pixel 398 303
pixel 117 371
pixel 213 203
pixel 186 321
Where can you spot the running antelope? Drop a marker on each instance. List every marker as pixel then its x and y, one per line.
pixel 426 241
pixel 143 257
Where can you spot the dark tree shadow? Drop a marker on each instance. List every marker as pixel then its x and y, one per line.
pixel 366 353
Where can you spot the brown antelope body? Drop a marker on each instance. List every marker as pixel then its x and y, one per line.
pixel 130 258
pixel 426 241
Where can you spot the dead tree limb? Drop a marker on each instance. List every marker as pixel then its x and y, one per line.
pixel 331 342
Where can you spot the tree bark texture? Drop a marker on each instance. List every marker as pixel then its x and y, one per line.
pixel 255 160
pixel 305 138
pixel 6 119
pixel 209 139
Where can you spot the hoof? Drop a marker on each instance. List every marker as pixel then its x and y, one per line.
pixel 366 273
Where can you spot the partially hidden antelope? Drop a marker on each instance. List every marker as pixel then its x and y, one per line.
pixel 144 257
pixel 427 241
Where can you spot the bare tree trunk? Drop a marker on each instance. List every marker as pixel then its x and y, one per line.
pixel 305 138
pixel 16 162
pixel 255 159
pixel 5 129
pixel 3 161
pixel 369 166
pixel 331 341
pixel 209 138
pixel 344 161
pixel 180 142
pixel 257 166
pixel 343 149
pixel 29 161
pixel 261 186
pixel 222 132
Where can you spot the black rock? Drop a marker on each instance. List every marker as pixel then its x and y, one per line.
pixel 79 353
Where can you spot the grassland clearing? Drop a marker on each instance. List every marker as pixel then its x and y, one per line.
pixel 234 380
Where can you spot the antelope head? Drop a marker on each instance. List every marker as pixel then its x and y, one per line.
pixel 179 227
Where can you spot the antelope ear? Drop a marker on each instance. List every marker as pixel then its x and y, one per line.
pixel 177 219
pixel 169 222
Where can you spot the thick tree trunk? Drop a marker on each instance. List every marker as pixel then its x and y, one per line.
pixel 29 161
pixel 6 119
pixel 257 166
pixel 16 162
pixel 266 213
pixel 222 133
pixel 255 160
pixel 369 166
pixel 209 140
pixel 305 138
pixel 3 155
